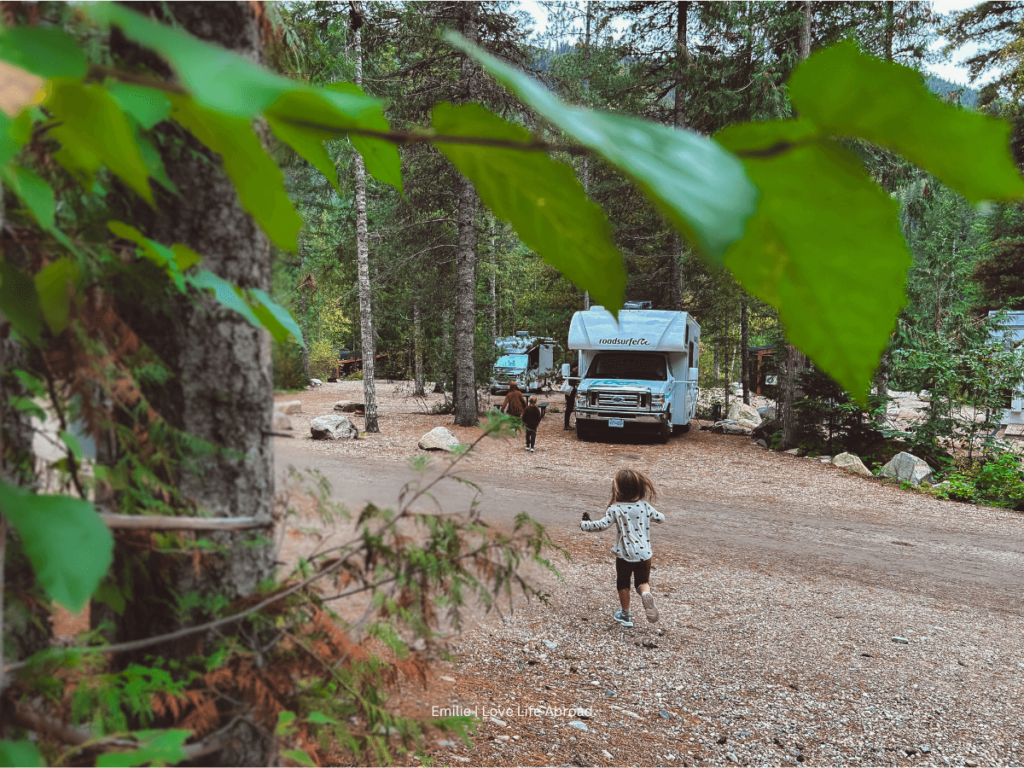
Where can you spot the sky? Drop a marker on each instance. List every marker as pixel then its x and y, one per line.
pixel 950 70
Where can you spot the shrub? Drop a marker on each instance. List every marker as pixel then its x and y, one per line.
pixel 322 360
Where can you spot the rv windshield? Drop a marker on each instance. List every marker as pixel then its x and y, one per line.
pixel 641 366
pixel 511 361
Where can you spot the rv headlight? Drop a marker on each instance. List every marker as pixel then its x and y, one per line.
pixel 658 401
pixel 581 401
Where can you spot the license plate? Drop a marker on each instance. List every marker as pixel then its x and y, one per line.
pixel 616 423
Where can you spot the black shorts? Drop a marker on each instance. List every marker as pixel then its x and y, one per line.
pixel 640 571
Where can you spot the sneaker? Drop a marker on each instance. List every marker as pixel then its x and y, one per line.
pixel 624 618
pixel 650 607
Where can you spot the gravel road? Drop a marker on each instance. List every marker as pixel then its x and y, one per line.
pixel 787 590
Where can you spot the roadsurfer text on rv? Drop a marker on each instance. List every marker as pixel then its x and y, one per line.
pixel 627 342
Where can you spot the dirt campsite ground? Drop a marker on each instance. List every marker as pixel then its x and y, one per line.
pixel 808 615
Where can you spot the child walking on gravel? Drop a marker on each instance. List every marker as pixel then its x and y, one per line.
pixel 632 516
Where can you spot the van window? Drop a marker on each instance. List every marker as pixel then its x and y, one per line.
pixel 645 366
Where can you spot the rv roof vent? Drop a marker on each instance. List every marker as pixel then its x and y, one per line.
pixel 597 308
pixel 522 333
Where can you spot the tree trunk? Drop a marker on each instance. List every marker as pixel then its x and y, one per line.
pixel 494 283
pixel 805 30
pixel 679 121
pixel 796 362
pixel 304 309
pixel 366 332
pixel 222 391
pixel 890 27
pixel 744 353
pixel 417 334
pixel 465 263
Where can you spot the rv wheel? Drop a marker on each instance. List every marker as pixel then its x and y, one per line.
pixel 664 432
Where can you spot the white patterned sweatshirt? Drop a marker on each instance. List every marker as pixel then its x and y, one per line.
pixel 633 528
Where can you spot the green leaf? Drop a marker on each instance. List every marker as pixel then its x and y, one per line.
pixel 540 197
pixel 56 284
pixel 381 157
pixel 702 189
pixel 20 753
pixel 276 318
pixel 843 91
pixel 67 543
pixel 31 382
pixel 14 133
pixel 826 250
pixel 147 105
pixel 186 256
pixel 80 163
pixel 309 144
pixel 155 748
pixel 298 756
pixel 72 443
pixel 35 193
pixel 48 52
pixel 27 405
pixel 19 301
pixel 91 119
pixel 158 253
pixel 218 78
pixel 225 293
pixel 155 164
pixel 285 723
pixel 110 593
pixel 318 717
pixel 256 176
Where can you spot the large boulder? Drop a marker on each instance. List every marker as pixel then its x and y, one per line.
pixel 290 406
pixel 766 412
pixel 333 428
pixel 751 425
pixel 738 411
pixel 731 428
pixel 349 406
pixel 280 422
pixel 439 439
pixel 315 383
pixel 907 468
pixel 851 463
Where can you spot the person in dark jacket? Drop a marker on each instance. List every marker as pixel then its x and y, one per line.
pixel 531 420
pixel 514 403
pixel 569 389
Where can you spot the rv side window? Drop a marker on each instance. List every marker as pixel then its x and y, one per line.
pixel 642 366
pixel 693 362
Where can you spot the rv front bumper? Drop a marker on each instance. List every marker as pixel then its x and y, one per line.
pixel 636 418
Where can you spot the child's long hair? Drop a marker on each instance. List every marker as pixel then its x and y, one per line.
pixel 632 485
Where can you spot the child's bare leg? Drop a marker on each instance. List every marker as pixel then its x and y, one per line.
pixel 648 601
pixel 641 588
pixel 624 599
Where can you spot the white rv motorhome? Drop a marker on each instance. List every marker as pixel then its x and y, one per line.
pixel 638 374
pixel 528 361
pixel 1012 331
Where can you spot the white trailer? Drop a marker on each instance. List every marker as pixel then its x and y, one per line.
pixel 528 361
pixel 1012 331
pixel 637 374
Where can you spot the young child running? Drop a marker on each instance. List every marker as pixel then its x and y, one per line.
pixel 632 516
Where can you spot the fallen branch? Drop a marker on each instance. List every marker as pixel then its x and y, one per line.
pixel 168 523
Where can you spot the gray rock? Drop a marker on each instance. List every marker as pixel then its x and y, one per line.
pixel 793 451
pixel 610 693
pixel 665 714
pixel 900 640
pixel 924 395
pixel 742 412
pixel 907 468
pixel 579 725
pixel 290 406
pixel 496 721
pixel 550 644
pixel 439 439
pixel 751 425
pixel 349 406
pixel 315 383
pixel 731 428
pixel 762 443
pixel 851 463
pixel 445 744
pixel 769 412
pixel 333 428
pixel 280 422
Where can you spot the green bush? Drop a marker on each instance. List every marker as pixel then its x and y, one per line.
pixel 287 366
pixel 322 360
pixel 998 481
